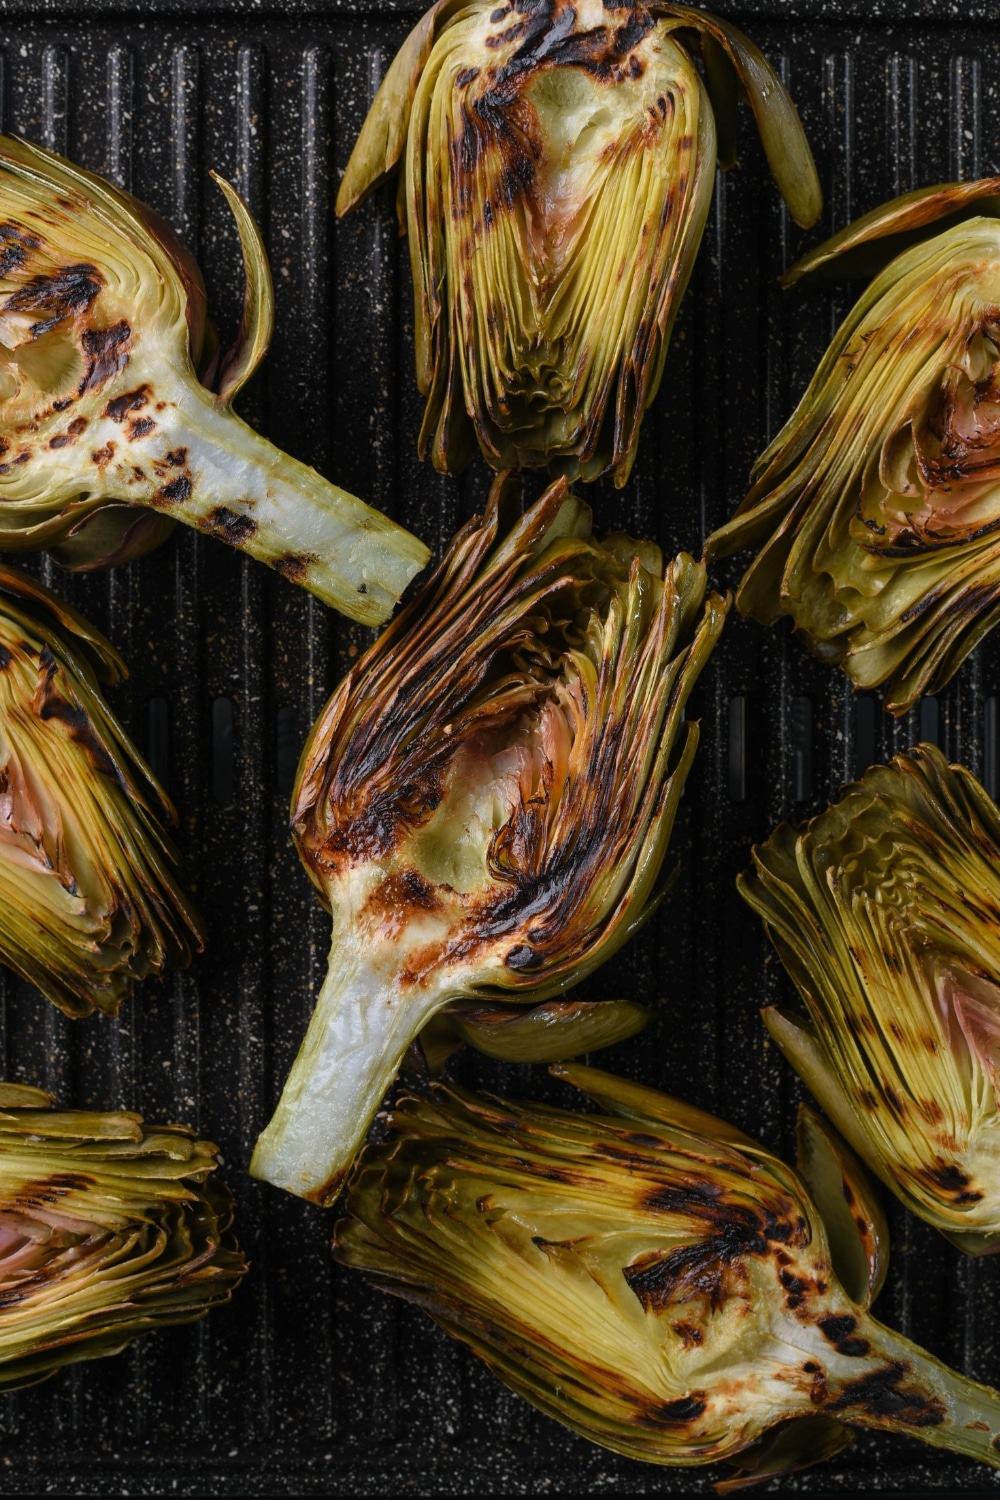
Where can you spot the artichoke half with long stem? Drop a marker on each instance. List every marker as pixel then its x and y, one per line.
pixel 91 891
pixel 651 1277
pixel 885 910
pixel 108 1229
pixel 876 510
pixel 485 802
pixel 107 434
pixel 558 164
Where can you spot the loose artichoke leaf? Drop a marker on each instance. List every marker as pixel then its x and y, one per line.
pixel 549 1032
pixel 257 322
pixel 870 242
pixel 795 1445
pixel 855 1222
pixel 636 1101
pixel 785 144
pixel 24 1096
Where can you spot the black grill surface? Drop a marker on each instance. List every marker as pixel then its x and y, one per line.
pixel 310 1382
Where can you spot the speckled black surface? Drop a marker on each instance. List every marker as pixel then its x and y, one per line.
pixel 310 1382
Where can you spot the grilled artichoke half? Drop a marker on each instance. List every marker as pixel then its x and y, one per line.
pixel 485 802
pixel 102 315
pixel 876 510
pixel 657 1281
pixel 886 912
pixel 107 1230
pixel 90 891
pixel 559 165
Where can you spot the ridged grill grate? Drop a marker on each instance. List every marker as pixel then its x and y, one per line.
pixel 310 1382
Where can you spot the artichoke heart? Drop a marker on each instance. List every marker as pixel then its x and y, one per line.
pixel 886 912
pixel 650 1276
pixel 485 804
pixel 876 510
pixel 559 162
pixel 107 435
pixel 107 1230
pixel 91 898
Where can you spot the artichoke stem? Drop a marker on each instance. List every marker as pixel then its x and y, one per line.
pixel 910 1391
pixel 358 1034
pixel 234 484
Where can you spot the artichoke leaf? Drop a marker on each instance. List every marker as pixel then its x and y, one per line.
pixel 868 243
pixel 784 141
pixel 257 322
pixel 855 1222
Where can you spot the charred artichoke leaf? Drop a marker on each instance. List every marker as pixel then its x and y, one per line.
pixel 107 1230
pixel 102 317
pixel 786 1449
pixel 664 1292
pixel 486 801
pixel 876 510
pixel 845 1195
pixel 91 897
pixel 885 910
pixel 544 1033
pixel 868 243
pixel 558 169
pixel 257 323
pixel 778 124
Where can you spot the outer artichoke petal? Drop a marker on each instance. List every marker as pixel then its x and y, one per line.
pixel 101 320
pixel 781 133
pixel 855 1223
pixel 486 801
pixel 383 135
pixel 868 243
pixel 550 1031
pixel 257 322
pixel 787 1449
pixel 665 1293
pixel 638 1102
pixel 91 897
pixel 110 536
pixel 106 1231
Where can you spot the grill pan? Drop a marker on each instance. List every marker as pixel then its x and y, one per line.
pixel 311 1383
